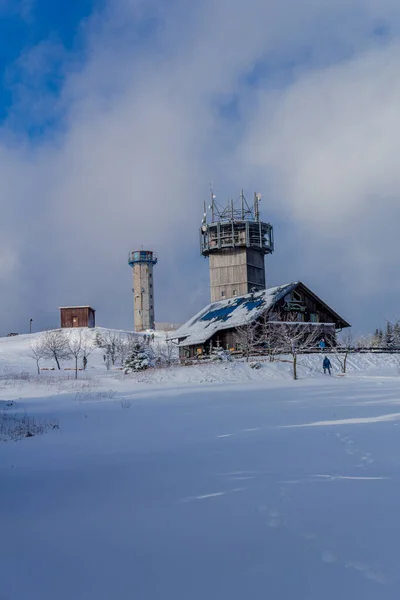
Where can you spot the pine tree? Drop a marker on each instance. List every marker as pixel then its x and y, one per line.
pixel 389 335
pixel 396 335
pixel 376 339
pixel 140 358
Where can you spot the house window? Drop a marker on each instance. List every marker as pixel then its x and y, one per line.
pixel 222 294
pixel 234 292
pixel 314 318
pixel 296 296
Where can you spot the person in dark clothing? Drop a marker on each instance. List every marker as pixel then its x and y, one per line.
pixel 327 365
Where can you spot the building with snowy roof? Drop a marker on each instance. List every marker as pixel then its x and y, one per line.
pixel 217 324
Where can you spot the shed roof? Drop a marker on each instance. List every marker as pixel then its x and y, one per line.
pixel 69 307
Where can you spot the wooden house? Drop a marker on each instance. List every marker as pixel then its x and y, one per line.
pixel 217 324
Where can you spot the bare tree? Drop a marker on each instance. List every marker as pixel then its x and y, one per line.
pixel 55 345
pixel 37 351
pixel 294 337
pixel 110 342
pixel 266 334
pixel 247 338
pixel 342 350
pixel 87 348
pixel 165 354
pixel 365 341
pixel 75 347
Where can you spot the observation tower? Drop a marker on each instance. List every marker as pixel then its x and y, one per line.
pixel 142 263
pixel 236 241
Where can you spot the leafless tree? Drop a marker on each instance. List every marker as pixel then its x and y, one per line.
pixel 165 354
pixel 55 344
pixel 341 351
pixel 37 351
pixel 293 337
pixel 365 341
pixel 75 347
pixel 110 342
pixel 247 338
pixel 266 336
pixel 87 348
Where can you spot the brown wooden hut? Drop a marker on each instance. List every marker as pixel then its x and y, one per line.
pixel 77 316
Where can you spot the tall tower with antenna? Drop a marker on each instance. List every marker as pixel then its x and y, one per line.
pixel 142 263
pixel 236 242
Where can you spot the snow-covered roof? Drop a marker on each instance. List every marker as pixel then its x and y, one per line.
pixel 232 312
pixel 67 307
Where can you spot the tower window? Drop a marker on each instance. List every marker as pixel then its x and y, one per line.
pixel 222 294
pixel 234 292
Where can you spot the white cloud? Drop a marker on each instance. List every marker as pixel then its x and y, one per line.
pixel 329 144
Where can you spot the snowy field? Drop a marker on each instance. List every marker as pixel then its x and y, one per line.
pixel 207 482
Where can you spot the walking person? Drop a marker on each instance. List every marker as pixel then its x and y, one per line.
pixel 327 365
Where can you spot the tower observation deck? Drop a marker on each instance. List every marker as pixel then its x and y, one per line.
pixel 236 241
pixel 142 263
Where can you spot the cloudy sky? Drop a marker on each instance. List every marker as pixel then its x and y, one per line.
pixel 116 115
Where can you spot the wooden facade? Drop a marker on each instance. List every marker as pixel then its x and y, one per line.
pixel 235 272
pixel 77 316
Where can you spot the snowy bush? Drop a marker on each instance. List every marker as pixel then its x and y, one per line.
pixel 220 355
pixel 255 365
pixel 14 426
pixel 140 358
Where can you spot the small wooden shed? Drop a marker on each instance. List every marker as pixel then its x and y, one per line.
pixel 77 316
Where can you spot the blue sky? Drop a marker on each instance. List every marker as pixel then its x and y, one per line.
pixel 25 25
pixel 115 116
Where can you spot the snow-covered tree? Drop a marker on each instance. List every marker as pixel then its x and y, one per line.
pixel 37 351
pixel 165 354
pixel 396 335
pixel 110 342
pixel 55 344
pixel 377 339
pixel 140 358
pixel 75 347
pixel 294 338
pixel 247 339
pixel 87 348
pixel 389 335
pixel 341 351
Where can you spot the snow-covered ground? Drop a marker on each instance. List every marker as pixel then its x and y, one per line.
pixel 207 482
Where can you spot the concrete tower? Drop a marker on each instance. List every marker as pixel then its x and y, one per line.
pixel 142 262
pixel 236 242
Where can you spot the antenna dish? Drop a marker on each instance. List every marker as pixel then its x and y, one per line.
pixel 258 196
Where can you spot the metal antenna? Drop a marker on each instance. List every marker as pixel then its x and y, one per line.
pixel 242 200
pixel 212 203
pixel 257 198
